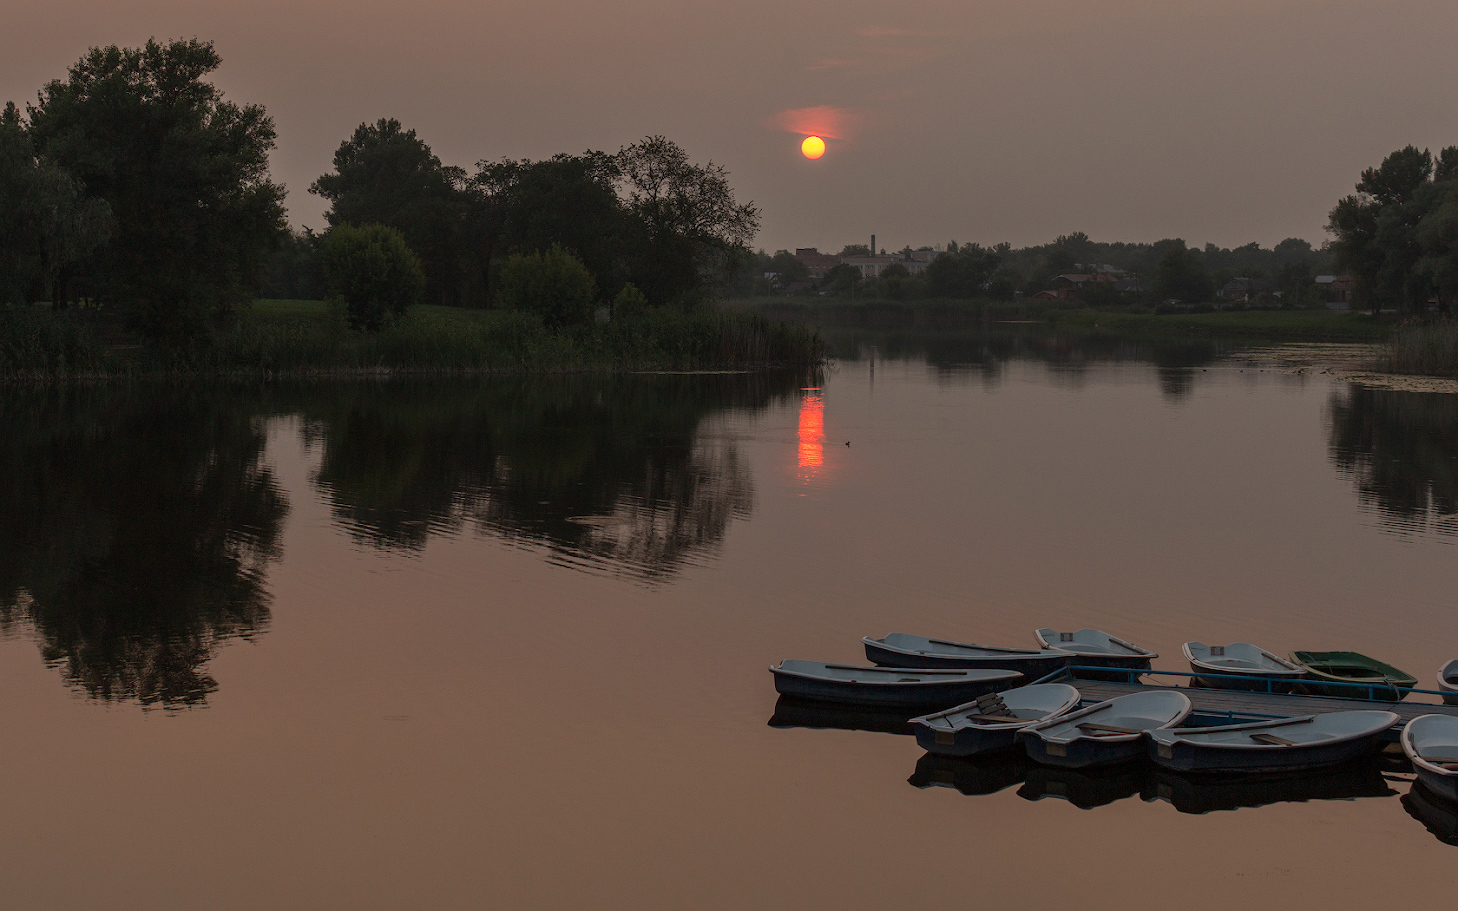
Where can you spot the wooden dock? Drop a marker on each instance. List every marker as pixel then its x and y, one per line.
pixel 1245 706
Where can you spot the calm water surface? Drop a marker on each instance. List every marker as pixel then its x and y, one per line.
pixel 503 643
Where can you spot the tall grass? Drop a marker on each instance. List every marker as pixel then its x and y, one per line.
pixel 296 339
pixel 1424 349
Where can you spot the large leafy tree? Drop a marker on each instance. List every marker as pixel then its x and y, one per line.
pixel 48 225
pixel 385 174
pixel 184 172
pixel 567 201
pixel 695 229
pixel 1182 276
pixel 1395 234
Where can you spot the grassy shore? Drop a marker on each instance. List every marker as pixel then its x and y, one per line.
pixel 1423 349
pixel 306 338
pixel 1233 325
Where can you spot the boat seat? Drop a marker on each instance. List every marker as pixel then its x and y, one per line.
pixel 1089 727
pixel 1272 740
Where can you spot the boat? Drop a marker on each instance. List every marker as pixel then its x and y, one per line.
pixel 975 776
pixel 906 650
pixel 1431 745
pixel 1215 665
pixel 1094 647
pixel 1448 682
pixel 1382 680
pixel 899 687
pixel 992 722
pixel 1283 745
pixel 1108 732
pixel 1200 794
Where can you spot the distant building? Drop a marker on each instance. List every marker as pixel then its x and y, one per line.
pixel 873 266
pixel 1067 286
pixel 1246 289
pixel 818 263
pixel 1338 288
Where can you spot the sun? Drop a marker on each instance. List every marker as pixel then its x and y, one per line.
pixel 813 147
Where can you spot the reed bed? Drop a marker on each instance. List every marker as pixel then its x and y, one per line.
pixel 309 341
pixel 1423 349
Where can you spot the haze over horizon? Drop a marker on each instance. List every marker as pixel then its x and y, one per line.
pixel 1222 121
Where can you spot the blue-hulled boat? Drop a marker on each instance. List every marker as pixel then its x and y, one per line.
pixel 1105 733
pixel 992 722
pixel 906 650
pixel 899 687
pixel 1284 745
pixel 1431 745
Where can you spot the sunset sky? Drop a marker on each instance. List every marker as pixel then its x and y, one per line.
pixel 982 120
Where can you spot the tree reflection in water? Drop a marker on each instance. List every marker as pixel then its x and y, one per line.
pixel 138 524
pixel 1401 450
pixel 614 472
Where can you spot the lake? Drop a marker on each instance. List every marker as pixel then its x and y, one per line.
pixel 503 642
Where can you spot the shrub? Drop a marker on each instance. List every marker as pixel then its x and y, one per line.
pixel 629 303
pixel 373 272
pixel 554 284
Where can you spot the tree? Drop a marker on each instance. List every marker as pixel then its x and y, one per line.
pixel 569 201
pixel 48 226
pixel 554 284
pixel 696 231
pixel 788 268
pixel 841 280
pixel 373 272
pixel 1437 238
pixel 184 172
pixel 1182 276
pixel 385 174
pixel 964 273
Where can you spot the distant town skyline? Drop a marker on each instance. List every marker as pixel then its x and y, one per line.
pixel 1222 121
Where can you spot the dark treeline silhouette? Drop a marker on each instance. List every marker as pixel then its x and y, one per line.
pixel 1165 269
pixel 610 470
pixel 135 186
pixel 645 216
pixel 1398 449
pixel 1398 234
pixel 138 526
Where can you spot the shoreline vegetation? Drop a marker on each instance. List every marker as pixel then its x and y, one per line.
pixel 302 339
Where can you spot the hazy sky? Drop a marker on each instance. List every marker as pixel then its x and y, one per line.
pixel 984 120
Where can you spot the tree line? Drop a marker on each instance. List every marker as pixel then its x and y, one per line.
pixel 1167 269
pixel 135 185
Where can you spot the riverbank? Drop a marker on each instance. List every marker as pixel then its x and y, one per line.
pixel 1235 325
pixel 305 338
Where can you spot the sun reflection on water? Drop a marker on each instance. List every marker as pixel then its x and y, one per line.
pixel 812 433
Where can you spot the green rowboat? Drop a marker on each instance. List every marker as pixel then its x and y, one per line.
pixel 1352 667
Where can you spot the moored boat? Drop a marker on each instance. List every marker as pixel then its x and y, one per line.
pixel 906 650
pixel 992 722
pixel 1448 682
pixel 1283 745
pixel 1431 745
pixel 922 688
pixel 1105 733
pixel 1380 681
pixel 1217 664
pixel 1094 647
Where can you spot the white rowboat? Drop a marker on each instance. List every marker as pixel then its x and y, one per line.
pixel 1108 732
pixel 993 722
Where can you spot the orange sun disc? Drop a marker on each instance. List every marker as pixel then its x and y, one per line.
pixel 813 147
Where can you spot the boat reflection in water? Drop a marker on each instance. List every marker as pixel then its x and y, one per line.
pixel 975 776
pixel 802 713
pixel 1210 793
pixel 1438 816
pixel 1086 788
